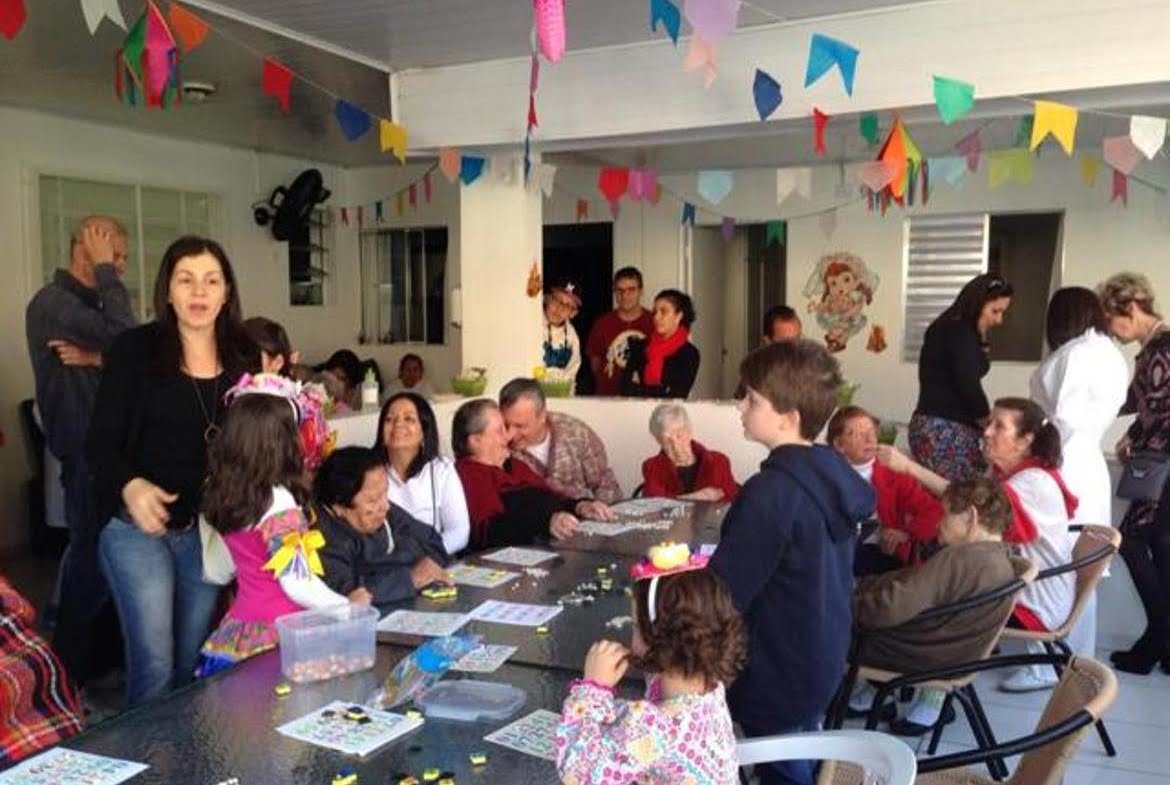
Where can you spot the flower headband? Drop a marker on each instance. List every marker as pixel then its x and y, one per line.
pixel 308 402
pixel 668 558
pixel 268 384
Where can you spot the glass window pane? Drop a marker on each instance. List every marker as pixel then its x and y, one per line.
pixel 417 286
pixel 435 244
pixel 395 318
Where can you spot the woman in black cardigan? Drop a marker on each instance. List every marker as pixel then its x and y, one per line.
pixel 947 425
pixel 159 404
pixel 665 364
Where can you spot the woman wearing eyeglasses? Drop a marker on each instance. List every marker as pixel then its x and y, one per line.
pixel 948 420
pixel 562 346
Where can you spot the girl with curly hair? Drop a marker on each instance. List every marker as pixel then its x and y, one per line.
pixel 691 643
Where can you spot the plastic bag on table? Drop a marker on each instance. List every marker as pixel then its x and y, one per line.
pixel 422 668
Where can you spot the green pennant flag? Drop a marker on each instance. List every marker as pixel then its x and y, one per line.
pixel 1024 132
pixel 776 231
pixel 953 98
pixel 869 128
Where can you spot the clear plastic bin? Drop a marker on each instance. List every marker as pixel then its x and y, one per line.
pixel 321 644
pixel 469 701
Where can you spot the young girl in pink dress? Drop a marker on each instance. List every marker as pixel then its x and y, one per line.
pixel 254 496
pixel 690 642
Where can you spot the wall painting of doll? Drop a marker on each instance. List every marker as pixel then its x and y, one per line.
pixel 839 289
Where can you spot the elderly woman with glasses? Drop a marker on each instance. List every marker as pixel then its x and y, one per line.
pixel 684 469
pixel 562 346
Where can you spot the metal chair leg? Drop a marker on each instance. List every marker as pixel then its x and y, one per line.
pixel 989 734
pixel 980 731
pixel 936 734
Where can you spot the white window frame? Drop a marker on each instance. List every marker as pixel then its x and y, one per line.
pixel 372 243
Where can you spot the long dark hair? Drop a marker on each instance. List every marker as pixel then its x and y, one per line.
pixel 429 449
pixel 975 294
pixel 1071 311
pixel 681 302
pixel 237 352
pixel 1031 421
pixel 272 339
pixel 258 449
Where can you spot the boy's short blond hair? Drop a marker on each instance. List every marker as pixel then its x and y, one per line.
pixel 798 376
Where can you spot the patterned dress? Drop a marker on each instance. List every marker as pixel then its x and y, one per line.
pixel 603 740
pixel 1149 399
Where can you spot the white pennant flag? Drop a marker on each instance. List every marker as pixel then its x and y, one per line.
pixel 503 169
pixel 793 180
pixel 829 222
pixel 97 10
pixel 542 177
pixel 1147 134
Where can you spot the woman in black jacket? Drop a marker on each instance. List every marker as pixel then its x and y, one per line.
pixel 947 425
pixel 665 364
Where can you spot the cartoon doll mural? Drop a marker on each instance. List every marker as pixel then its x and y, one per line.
pixel 839 289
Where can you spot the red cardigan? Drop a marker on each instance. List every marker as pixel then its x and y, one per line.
pixel 905 505
pixel 660 475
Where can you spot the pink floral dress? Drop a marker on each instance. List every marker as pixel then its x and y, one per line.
pixel 603 740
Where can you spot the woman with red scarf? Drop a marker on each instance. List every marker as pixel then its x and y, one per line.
pixel 665 364
pixel 508 503
pixel 1023 450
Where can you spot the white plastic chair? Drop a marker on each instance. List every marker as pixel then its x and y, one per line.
pixel 885 759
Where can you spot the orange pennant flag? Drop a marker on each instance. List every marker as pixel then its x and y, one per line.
pixel 449 162
pixel 187 27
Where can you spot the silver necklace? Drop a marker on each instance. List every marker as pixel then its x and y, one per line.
pixel 212 429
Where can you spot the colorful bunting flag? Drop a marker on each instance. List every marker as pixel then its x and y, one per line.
pixel 971 147
pixel 766 92
pixel 903 155
pixel 712 19
pixel 352 119
pixel 714 184
pixel 688 214
pixel 534 74
pixel 613 182
pixel 412 196
pixel 378 212
pixel 1120 188
pixel 427 187
pixel 12 17
pixel 1024 131
pixel 1120 153
pixel 1148 134
pixel 97 10
pixel 188 28
pixel 582 210
pixel 701 55
pixel 532 111
pixel 868 128
pixel 774 232
pixel 667 13
pixel 398 208
pixel 728 228
pixel 1060 120
pixel 449 162
pixel 543 177
pixel 392 136
pixel 789 181
pixel 953 98
pixel 1012 164
pixel 952 169
pixel 344 217
pixel 615 209
pixel 276 81
pixel 820 121
pixel 503 168
pixel 828 222
pixel 550 28
pixel 470 168
pixel 643 185
pixel 876 175
pixel 361 219
pixel 147 65
pixel 824 53
pixel 1090 164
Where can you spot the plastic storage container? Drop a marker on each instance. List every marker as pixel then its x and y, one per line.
pixel 321 644
pixel 468 700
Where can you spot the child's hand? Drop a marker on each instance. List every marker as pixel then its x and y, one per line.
pixel 361 596
pixel 606 663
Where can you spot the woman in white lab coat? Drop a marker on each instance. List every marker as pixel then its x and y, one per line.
pixel 1081 386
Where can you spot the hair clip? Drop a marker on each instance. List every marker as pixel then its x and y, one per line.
pixel 666 559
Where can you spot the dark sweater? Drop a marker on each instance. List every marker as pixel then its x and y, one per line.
pixel 68 310
pixel 352 559
pixel 678 372
pixel 951 367
pixel 786 554
pixel 150 424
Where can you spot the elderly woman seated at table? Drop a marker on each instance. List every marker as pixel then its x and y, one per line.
pixel 509 503
pixel 684 469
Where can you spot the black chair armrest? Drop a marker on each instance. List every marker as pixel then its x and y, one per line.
pixel 1103 552
pixel 967 668
pixel 1007 749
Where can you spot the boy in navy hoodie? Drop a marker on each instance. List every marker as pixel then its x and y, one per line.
pixel 786 550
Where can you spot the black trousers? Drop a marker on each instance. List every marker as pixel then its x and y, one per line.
pixel 1146 551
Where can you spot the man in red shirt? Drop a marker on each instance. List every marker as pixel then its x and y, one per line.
pixel 606 347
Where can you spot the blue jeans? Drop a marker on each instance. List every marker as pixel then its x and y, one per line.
pixel 165 606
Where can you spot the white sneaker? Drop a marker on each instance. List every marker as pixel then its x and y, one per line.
pixel 1030 679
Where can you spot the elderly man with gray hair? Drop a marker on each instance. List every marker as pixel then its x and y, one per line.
pixel 684 469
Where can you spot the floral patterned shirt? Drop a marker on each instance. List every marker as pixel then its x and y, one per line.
pixel 603 740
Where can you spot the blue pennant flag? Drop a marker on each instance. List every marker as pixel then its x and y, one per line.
pixel 767 94
pixel 824 53
pixel 688 214
pixel 353 119
pixel 470 168
pixel 666 12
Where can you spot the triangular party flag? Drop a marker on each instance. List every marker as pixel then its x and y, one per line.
pixel 952 169
pixel 412 195
pixel 1012 164
pixel 789 181
pixel 532 111
pixel 953 98
pixel 1090 164
pixel 824 53
pixel 971 148
pixel 701 55
pixel 714 184
pixel 392 136
pixel 550 28
pixel 344 217
pixel 774 232
pixel 868 128
pixel 582 210
pixel 876 175
pixel 820 120
pixel 728 228
pixel 1120 153
pixel 667 13
pixel 276 80
pixel 688 214
pixel 712 19
pixel 828 222
pixel 97 10
pixel 470 168
pixel 766 92
pixel 1024 131
pixel 147 64
pixel 1148 134
pixel 360 216
pixel 12 17
pixel 543 177
pixel 398 208
pixel 353 119
pixel 503 168
pixel 635 189
pixel 534 74
pixel 187 27
pixel 427 187
pixel 449 162
pixel 1120 188
pixel 613 181
pixel 1060 120
pixel 378 212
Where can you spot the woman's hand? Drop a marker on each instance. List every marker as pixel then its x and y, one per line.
pixel 1124 448
pixel 593 510
pixel 361 596
pixel 708 494
pixel 889 540
pixel 562 525
pixel 427 571
pixel 893 458
pixel 606 663
pixel 147 505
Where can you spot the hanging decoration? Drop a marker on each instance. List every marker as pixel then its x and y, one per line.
pixel 774 232
pixel 582 210
pixel 688 214
pixel 353 120
pixel 97 10
pixel 276 81
pixel 470 168
pixel 951 169
pixel 188 28
pixel 867 126
pixel 643 185
pixel 714 20
pixel 820 122
pixel 1148 134
pixel 147 65
pixel 392 137
pixel 789 181
pixel 727 228
pixel 824 53
pixel 613 182
pixel 714 184
pixel 702 54
pixel 1060 120
pixel 12 17
pixel 666 13
pixel 1090 165
pixel 550 28
pixel 1012 164
pixel 971 148
pixel 767 95
pixel 902 156
pixel 1120 188
pixel 953 98
pixel 449 162
pixel 1120 153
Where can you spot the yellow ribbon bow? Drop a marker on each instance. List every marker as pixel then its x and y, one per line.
pixel 306 544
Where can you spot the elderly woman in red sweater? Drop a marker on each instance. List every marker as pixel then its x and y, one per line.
pixel 684 469
pixel 908 513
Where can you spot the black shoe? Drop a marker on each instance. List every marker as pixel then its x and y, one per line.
pixel 888 712
pixel 1138 662
pixel 904 727
pixel 1143 647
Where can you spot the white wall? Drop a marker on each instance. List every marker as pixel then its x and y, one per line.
pixel 707 290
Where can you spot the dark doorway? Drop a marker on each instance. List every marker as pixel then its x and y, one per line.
pixel 1023 248
pixel 582 253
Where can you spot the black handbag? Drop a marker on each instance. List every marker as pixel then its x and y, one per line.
pixel 1144 476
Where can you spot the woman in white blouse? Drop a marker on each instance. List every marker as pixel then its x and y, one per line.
pixel 1081 386
pixel 422 482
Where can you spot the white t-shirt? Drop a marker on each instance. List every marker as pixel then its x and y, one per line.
pixel 1050 599
pixel 541 451
pixel 435 497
